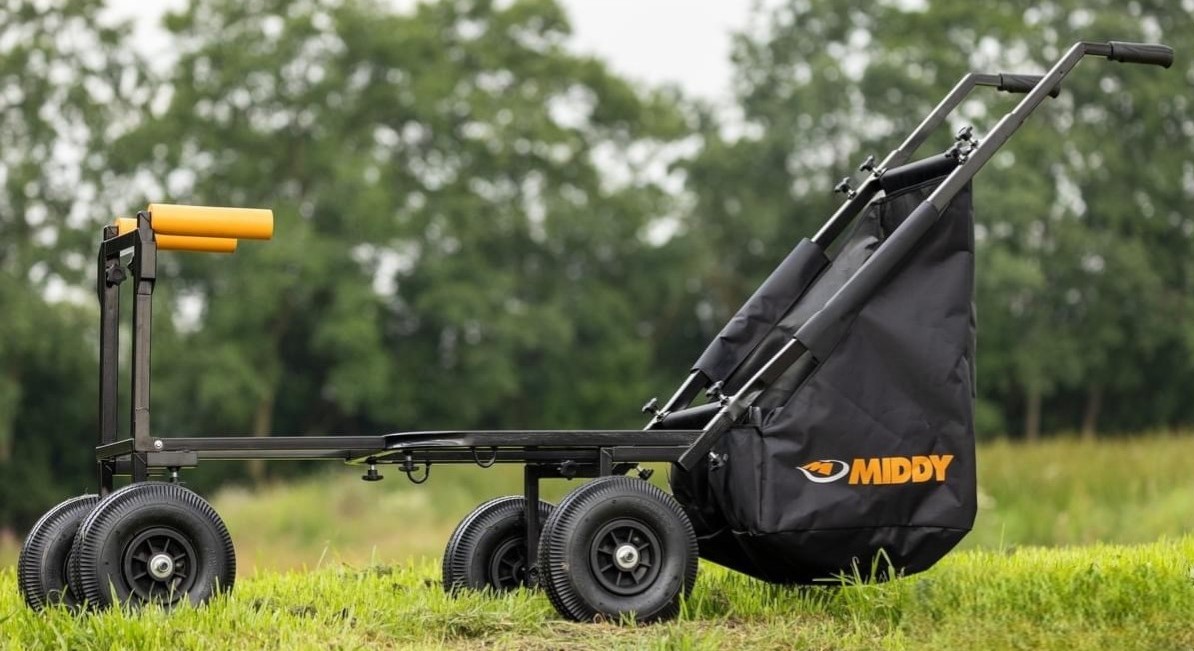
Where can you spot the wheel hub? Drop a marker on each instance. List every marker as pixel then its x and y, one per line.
pixel 161 567
pixel 160 564
pixel 626 556
pixel 508 565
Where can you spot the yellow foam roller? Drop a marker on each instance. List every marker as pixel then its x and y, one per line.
pixel 181 242
pixel 209 221
pixel 125 225
pixel 196 244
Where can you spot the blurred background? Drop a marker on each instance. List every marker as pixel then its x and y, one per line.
pixel 536 213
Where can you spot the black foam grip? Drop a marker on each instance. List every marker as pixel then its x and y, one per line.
pixel 906 176
pixel 1013 83
pixel 691 418
pixel 1150 53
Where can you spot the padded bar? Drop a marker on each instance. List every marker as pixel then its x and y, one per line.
pixel 206 221
pixel 906 176
pixel 1146 53
pixel 180 242
pixel 195 244
pixel 1014 83
pixel 690 418
pixel 125 225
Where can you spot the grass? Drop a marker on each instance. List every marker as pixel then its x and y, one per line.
pixel 335 563
pixel 1096 597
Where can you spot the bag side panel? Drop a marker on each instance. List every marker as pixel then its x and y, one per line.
pixel 873 448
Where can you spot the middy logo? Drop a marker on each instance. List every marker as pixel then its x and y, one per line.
pixel 880 470
pixel 822 472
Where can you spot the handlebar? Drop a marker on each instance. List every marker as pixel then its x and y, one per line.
pixel 1015 83
pixel 1145 53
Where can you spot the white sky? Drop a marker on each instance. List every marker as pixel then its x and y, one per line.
pixel 678 41
pixel 686 42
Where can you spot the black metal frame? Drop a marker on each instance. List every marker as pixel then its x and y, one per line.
pixel 544 453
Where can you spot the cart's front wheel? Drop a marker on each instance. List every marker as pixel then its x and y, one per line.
pixel 152 542
pixel 488 547
pixel 42 564
pixel 615 547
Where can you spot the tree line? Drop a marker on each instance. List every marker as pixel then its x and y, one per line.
pixel 480 228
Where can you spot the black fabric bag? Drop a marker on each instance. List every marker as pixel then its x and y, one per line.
pixel 862 460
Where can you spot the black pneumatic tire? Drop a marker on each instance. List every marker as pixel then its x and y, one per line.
pixel 488 547
pixel 42 564
pixel 152 527
pixel 595 524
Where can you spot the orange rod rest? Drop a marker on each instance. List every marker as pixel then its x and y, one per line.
pixel 206 221
pixel 125 225
pixel 181 242
pixel 196 244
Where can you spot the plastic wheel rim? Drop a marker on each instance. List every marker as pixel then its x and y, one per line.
pixel 507 565
pixel 144 547
pixel 611 574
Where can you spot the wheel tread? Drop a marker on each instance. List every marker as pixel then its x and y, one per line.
pixel 462 543
pixel 553 545
pixel 29 575
pixel 121 502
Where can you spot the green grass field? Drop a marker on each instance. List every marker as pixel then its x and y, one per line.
pixel 335 563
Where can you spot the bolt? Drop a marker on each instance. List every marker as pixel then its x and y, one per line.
pixel 158 445
pixel 626 556
pixel 161 566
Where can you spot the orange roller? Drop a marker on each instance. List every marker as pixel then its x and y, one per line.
pixel 125 225
pixel 180 242
pixel 207 221
pixel 197 244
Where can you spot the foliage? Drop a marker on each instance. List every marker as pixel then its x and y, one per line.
pixel 478 227
pixel 448 252
pixel 64 81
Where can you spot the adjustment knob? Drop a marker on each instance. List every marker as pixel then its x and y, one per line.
pixel 371 474
pixel 965 133
pixel 714 391
pixel 843 186
pixel 652 406
pixel 868 165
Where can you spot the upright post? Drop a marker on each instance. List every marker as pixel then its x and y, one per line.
pixel 144 267
pixel 109 275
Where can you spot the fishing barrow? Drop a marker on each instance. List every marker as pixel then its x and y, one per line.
pixel 836 429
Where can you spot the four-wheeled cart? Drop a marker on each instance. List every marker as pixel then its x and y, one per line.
pixel 618 545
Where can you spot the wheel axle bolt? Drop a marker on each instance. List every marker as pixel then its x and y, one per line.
pixel 626 556
pixel 161 566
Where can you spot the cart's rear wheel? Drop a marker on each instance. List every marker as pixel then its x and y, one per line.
pixel 152 542
pixel 618 546
pixel 42 564
pixel 488 547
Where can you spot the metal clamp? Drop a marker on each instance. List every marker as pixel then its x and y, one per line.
pixel 488 462
pixel 409 467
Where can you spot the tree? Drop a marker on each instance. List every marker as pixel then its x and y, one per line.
pixel 448 253
pixel 64 81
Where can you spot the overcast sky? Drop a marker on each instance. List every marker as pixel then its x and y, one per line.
pixel 680 41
